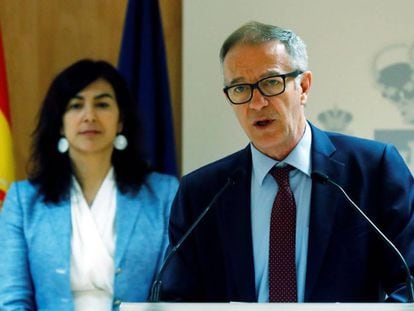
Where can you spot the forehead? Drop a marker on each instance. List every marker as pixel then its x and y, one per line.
pixel 97 86
pixel 249 62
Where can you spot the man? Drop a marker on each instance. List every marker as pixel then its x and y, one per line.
pixel 331 254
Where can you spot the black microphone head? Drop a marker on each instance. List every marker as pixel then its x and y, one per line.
pixel 320 177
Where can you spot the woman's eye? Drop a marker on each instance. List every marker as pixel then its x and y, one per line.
pixel 74 106
pixel 102 104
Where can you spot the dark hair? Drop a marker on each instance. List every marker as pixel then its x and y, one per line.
pixel 255 33
pixel 50 170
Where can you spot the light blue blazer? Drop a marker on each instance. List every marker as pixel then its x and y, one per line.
pixel 35 243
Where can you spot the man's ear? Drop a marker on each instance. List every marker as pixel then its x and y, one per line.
pixel 305 84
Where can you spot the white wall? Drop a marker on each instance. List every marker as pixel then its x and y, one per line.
pixel 344 38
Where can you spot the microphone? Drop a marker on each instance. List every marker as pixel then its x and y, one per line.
pixel 157 284
pixel 324 179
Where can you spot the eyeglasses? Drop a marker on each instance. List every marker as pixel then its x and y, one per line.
pixel 269 86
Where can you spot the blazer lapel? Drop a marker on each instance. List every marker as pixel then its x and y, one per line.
pixel 323 205
pixel 234 217
pixel 60 222
pixel 127 212
pixel 59 216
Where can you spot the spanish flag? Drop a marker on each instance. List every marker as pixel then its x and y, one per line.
pixel 6 148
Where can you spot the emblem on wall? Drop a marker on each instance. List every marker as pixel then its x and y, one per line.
pixel 393 70
pixel 335 120
pixel 394 76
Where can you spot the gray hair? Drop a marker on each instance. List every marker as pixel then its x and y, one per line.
pixel 255 32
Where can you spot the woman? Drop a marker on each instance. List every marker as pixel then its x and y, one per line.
pixel 88 229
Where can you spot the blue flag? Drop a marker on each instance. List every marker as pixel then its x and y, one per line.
pixel 142 62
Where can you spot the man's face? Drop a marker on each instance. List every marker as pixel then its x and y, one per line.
pixel 273 124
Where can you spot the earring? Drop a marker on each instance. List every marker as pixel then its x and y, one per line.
pixel 63 145
pixel 120 142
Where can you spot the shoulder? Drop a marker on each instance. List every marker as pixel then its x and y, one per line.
pixel 363 148
pixel 22 190
pixel 224 166
pixel 157 187
pixel 212 175
pixel 24 184
pixel 155 180
pixel 22 200
pixel 348 140
pixel 358 153
pixel 348 144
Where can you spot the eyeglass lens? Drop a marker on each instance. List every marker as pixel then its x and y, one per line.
pixel 268 87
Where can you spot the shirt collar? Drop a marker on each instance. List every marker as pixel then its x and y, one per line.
pixel 299 158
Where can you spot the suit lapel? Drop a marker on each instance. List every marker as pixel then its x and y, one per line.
pixel 323 205
pixel 127 212
pixel 59 216
pixel 234 217
pixel 60 222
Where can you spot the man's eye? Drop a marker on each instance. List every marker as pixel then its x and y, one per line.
pixel 272 82
pixel 239 89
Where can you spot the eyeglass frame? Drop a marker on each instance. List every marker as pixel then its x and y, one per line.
pixel 255 85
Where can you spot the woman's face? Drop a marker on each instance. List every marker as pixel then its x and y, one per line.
pixel 92 120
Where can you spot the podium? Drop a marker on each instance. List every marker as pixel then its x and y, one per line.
pixel 266 306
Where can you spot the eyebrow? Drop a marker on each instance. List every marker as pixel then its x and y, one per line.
pixel 100 96
pixel 237 81
pixel 270 73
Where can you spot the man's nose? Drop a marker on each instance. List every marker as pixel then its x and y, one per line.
pixel 258 101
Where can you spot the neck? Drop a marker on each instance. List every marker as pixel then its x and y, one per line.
pixel 90 171
pixel 282 151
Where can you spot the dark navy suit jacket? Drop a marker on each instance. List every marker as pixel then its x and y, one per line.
pixel 346 261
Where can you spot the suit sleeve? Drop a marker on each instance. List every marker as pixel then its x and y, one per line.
pixel 179 280
pixel 172 190
pixel 397 197
pixel 16 289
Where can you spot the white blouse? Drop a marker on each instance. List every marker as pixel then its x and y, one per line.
pixel 93 246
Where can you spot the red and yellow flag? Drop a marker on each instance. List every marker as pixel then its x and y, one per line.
pixel 6 148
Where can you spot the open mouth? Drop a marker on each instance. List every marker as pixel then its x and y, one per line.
pixel 262 123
